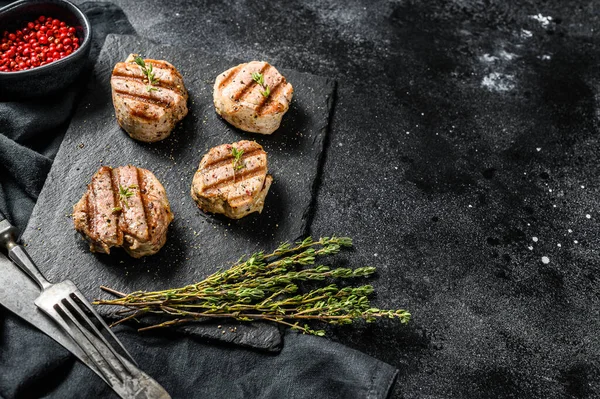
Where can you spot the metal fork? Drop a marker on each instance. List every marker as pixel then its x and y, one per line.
pixel 65 304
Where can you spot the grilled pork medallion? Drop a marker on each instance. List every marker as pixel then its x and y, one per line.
pixel 232 179
pixel 149 97
pixel 124 207
pixel 253 97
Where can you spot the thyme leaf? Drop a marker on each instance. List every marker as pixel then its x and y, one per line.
pixel 148 71
pixel 124 193
pixel 260 79
pixel 266 92
pixel 237 158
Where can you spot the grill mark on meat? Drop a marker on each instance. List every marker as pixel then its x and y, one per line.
pixel 236 200
pixel 143 115
pixel 94 234
pixel 264 106
pixel 231 75
pixel 215 187
pixel 244 194
pixel 88 220
pixel 159 64
pixel 245 91
pixel 224 161
pixel 137 78
pixel 144 98
pixel 105 232
pixel 129 217
pixel 142 188
pixel 115 190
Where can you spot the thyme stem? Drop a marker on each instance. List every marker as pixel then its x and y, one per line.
pixel 264 286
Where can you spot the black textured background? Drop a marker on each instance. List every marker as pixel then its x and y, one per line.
pixel 463 150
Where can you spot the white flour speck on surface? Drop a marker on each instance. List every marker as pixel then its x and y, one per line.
pixel 535 239
pixel 498 82
pixel 530 248
pixel 575 242
pixel 545 57
pixel 545 260
pixel 538 149
pixel 543 20
pixel 375 255
pixel 558 245
pixel 588 216
pixel 570 231
pixel 582 186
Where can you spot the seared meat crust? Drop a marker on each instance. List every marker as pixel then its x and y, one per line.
pixel 124 207
pixel 239 100
pixel 148 115
pixel 235 189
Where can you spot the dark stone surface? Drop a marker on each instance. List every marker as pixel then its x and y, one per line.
pixel 198 244
pixel 448 211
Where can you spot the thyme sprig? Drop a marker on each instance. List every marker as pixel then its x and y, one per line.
pixel 237 158
pixel 148 71
pixel 124 194
pixel 260 79
pixel 264 286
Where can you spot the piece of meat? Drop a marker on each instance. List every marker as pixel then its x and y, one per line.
pixel 234 188
pixel 124 207
pixel 148 112
pixel 244 103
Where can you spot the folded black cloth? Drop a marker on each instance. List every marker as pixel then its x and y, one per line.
pixel 32 365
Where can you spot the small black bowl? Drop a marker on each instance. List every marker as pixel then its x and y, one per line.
pixel 50 78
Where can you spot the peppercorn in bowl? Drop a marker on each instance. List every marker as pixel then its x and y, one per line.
pixel 44 46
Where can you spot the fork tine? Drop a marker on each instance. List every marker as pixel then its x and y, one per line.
pixel 74 314
pixel 80 339
pixel 75 300
pixel 87 305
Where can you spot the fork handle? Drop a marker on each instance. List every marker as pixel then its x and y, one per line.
pixel 18 254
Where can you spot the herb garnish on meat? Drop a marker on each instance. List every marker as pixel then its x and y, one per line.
pixel 148 71
pixel 260 79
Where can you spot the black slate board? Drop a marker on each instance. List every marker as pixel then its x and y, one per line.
pixel 198 244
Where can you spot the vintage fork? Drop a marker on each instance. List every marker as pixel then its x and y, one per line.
pixel 65 304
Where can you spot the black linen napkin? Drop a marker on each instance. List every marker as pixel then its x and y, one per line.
pixel 32 365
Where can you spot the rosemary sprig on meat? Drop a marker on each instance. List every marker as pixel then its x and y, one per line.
pixel 148 71
pixel 264 286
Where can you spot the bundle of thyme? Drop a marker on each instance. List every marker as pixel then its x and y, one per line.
pixel 264 286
